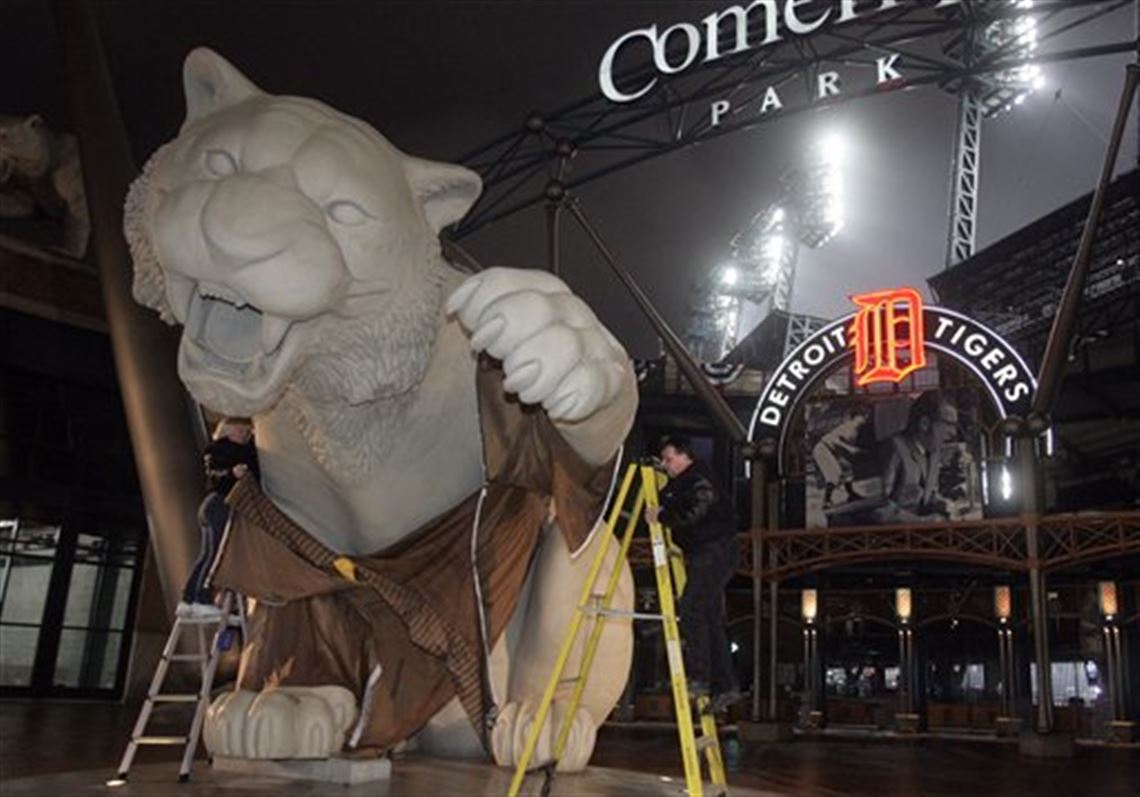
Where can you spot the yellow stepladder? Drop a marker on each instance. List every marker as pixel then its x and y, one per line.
pixel 668 568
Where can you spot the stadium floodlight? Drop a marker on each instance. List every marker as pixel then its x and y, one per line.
pixel 819 190
pixel 759 274
pixel 1011 38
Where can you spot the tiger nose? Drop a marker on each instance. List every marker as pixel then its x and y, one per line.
pixel 250 216
pixel 281 175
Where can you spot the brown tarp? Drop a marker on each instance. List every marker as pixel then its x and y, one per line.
pixel 412 609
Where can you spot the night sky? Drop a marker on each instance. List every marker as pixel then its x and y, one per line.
pixel 441 78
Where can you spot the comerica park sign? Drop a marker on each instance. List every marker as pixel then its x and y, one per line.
pixel 737 29
pixel 887 340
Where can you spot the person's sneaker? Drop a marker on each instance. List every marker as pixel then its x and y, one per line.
pixel 184 609
pixel 725 699
pixel 226 640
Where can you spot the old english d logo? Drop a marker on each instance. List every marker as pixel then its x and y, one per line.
pixel 887 335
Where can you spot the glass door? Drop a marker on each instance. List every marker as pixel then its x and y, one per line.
pixel 27 558
pixel 66 608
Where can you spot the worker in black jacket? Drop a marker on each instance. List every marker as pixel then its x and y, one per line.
pixel 693 507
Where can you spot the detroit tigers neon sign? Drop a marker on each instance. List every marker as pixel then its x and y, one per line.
pixel 887 339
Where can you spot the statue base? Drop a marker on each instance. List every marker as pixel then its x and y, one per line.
pixel 345 771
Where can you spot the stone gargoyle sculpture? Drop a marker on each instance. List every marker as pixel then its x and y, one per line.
pixel 40 174
pixel 436 448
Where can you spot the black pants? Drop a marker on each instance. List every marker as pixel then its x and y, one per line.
pixel 708 570
pixel 212 516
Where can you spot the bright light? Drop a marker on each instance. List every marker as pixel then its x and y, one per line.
pixel 733 647
pixel 1006 484
pixel 833 148
pixel 778 216
pixel 809 605
pixel 773 252
pixel 1107 598
pixel 729 276
pixel 903 603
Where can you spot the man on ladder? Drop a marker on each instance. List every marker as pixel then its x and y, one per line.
pixel 670 578
pixel 701 522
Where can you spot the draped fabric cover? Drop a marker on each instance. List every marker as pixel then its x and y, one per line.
pixel 412 609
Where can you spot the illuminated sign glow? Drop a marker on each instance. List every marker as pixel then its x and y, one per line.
pixel 887 339
pixel 888 336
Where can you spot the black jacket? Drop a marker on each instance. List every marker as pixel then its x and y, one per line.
pixel 221 457
pixel 693 507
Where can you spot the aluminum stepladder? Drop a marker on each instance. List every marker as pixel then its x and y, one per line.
pixel 231 616
pixel 667 568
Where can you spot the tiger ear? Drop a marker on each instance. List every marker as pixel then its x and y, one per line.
pixel 445 191
pixel 212 83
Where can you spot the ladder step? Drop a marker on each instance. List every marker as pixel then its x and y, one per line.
pixel 706 742
pixel 175 698
pixel 162 740
pixel 188 657
pixel 598 611
pixel 212 620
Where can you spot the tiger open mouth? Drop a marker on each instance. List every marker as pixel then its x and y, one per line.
pixel 225 334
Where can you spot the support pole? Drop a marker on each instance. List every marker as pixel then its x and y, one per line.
pixel 1027 461
pixel 166 454
pixel 904 673
pixel 553 246
pixel 773 641
pixel 759 485
pixel 1060 336
pixel 773 588
pixel 721 412
pixel 1006 668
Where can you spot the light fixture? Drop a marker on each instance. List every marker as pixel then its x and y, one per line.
pixel 1003 603
pixel 809 605
pixel 903 605
pixel 1006 484
pixel 1106 597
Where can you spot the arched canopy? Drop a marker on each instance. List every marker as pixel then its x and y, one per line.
pixel 997 365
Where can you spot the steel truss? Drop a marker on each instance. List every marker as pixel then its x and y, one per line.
pixel 967 175
pixel 1000 543
pixel 601 137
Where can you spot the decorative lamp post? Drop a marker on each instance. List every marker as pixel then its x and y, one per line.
pixel 809 605
pixel 1120 729
pixel 1007 725
pixel 906 719
pixel 809 610
pixel 1107 600
pixel 903 604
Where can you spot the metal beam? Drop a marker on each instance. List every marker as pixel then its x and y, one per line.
pixel 1060 336
pixel 966 176
pixel 610 137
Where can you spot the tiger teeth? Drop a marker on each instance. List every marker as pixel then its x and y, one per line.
pixel 273 331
